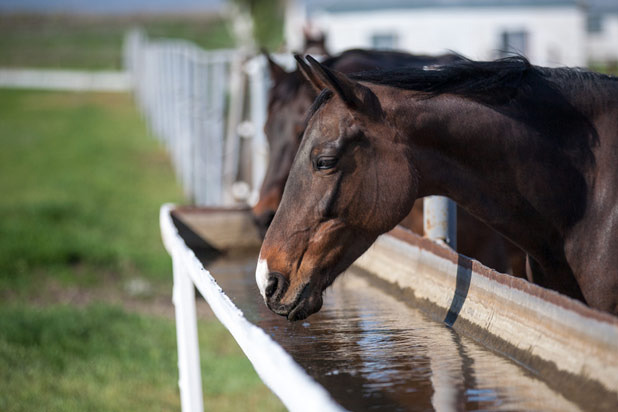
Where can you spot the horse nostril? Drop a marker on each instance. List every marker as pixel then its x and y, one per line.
pixel 271 286
pixel 276 286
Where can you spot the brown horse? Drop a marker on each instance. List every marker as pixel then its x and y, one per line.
pixel 531 151
pixel 290 97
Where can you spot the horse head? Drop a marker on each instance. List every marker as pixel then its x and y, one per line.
pixel 284 126
pixel 352 180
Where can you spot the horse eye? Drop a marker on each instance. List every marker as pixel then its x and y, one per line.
pixel 325 162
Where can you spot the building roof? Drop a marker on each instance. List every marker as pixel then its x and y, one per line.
pixel 335 6
pixel 602 6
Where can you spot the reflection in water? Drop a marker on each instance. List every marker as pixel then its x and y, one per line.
pixel 371 351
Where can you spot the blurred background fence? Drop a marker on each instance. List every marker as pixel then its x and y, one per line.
pixel 208 108
pixel 184 95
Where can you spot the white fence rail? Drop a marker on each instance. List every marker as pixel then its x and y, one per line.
pixel 75 80
pixel 277 369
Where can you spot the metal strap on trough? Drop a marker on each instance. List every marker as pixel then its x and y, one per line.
pixel 296 389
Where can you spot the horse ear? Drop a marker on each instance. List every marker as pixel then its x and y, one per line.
pixel 276 72
pixel 316 83
pixel 337 82
pixel 353 94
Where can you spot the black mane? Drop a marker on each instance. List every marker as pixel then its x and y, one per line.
pixel 477 79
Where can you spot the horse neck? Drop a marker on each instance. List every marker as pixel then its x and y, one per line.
pixel 470 153
pixel 448 136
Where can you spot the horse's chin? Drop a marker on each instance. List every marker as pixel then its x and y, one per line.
pixel 306 303
pixel 305 307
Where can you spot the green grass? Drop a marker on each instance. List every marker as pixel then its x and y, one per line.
pixel 95 42
pixel 102 358
pixel 81 186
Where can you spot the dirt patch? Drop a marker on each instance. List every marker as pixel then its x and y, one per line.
pixel 146 299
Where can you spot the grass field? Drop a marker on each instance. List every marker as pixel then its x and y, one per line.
pixel 81 185
pixel 95 42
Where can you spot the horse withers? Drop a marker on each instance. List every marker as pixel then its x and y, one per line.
pixel 531 151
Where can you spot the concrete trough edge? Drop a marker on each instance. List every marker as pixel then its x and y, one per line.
pixel 549 333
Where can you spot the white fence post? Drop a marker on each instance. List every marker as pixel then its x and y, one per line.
pixel 234 117
pixel 256 69
pixel 440 219
pixel 190 379
pixel 200 93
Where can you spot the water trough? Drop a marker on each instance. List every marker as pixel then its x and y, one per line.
pixel 411 326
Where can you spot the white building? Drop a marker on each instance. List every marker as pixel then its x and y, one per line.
pixel 603 31
pixel 548 32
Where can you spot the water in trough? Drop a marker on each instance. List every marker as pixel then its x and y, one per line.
pixel 371 351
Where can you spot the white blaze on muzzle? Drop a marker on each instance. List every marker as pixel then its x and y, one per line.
pixel 261 275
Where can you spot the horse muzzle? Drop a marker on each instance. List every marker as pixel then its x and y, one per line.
pixel 305 302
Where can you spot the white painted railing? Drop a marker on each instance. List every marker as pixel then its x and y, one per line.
pixel 74 80
pixel 296 389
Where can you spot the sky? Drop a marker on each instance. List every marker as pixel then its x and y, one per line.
pixel 108 6
pixel 145 6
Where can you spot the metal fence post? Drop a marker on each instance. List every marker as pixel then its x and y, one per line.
pixel 189 379
pixel 440 219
